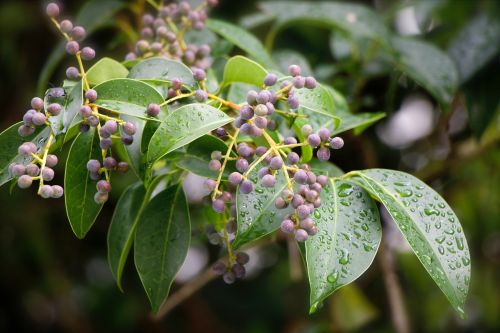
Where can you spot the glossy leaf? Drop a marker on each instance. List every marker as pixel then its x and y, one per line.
pixel 285 58
pixel 428 66
pixel 104 70
pixel 349 233
pixel 10 140
pixel 325 168
pixel 161 243
pixel 198 153
pixel 319 107
pixel 354 19
pixel 183 126
pixel 81 208
pixel 429 225
pixel 162 69
pixel 121 232
pixel 71 116
pixel 256 213
pixel 242 39
pixel 243 70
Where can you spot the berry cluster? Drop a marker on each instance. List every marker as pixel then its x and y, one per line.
pixel 232 271
pixel 163 35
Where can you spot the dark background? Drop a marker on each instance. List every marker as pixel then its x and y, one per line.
pixel 52 282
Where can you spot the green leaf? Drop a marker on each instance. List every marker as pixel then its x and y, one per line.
pixel 104 70
pixel 475 45
pixel 319 107
pixel 93 15
pixel 349 233
pixel 163 69
pixel 237 92
pixel 429 225
pixel 10 140
pixel 161 243
pixel 325 168
pixel 183 126
pixel 256 214
pixel 242 39
pixel 122 228
pixel 198 153
pixel 356 20
pixel 71 113
pixel 243 70
pixel 81 208
pixel 428 66
pixel 285 58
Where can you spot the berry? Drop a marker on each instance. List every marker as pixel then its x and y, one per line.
pixel 297 200
pixel 276 163
pixel 156 47
pixel 300 177
pixel 176 84
pixel 242 258
pixel 263 97
pixel 294 70
pixel 241 165
pixel 84 127
pixel 72 47
pixel 238 270
pixel 147 19
pixel 270 107
pixel 238 122
pixel 314 140
pixel 260 122
pixel 201 95
pixel 66 26
pixel 78 33
pixel 127 139
pixel 293 102
pixel 270 79
pixel 306 130
pixel 46 191
pixel 268 181
pixel 218 205
pixel 93 121
pixel 231 225
pixel 57 191
pixel 88 53
pixel 72 73
pixel 199 74
pixel 122 166
pixel 306 223
pixel 51 160
pixel 272 125
pixel 142 46
pixel 214 238
pixel 323 154
pixel 252 97
pixel 246 112
pixel 27 148
pixel 261 110
pixel 32 170
pixel 94 175
pixel 54 109
pixel 280 203
pixel 28 117
pixel 210 184
pixel 301 235
pixel 212 3
pixel 310 82
pixel 262 172
pixel 153 110
pixel 216 155
pixel 17 170
pixel 303 211
pixel 311 195
pixel 312 230
pixel 24 130
pixel 105 143
pixel 260 150
pixel 219 268
pixel 37 103
pixel 221 132
pixel 52 10
pixel 235 178
pixel 214 165
pixel 47 174
pixel 38 119
pixel 110 126
pixel 229 277
pixel 244 150
pixel 93 166
pixel 100 198
pixel 91 95
pixel 293 158
pixel 129 128
pixel 322 180
pixel 311 177
pixel 24 181
pixel 337 142
pixel 103 186
pixel 299 82
pixel 109 163
pixel 246 187
pixel 287 226
pixel 324 134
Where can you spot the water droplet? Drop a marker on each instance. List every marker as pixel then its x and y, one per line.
pixel 333 277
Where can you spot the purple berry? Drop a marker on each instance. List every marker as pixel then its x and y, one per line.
pixel 293 158
pixel 103 186
pixel 324 134
pixel 201 95
pixel 276 163
pixel 28 117
pixel 263 97
pixel 262 172
pixel 314 140
pixel 270 108
pixel 218 205
pixel 310 82
pixel 37 103
pixel 337 142
pixel 52 9
pixel 46 191
pixel 85 111
pixel 122 167
pixel 246 112
pixel 72 73
pixel 306 223
pixel 153 110
pixel 57 191
pixel 142 46
pixel 47 174
pixel 261 110
pixel 246 187
pixel 252 97
pixel 24 130
pixel 260 122
pixel 32 170
pixel 312 230
pixel 235 178
pixel 260 150
pixel 323 154
pixel 93 166
pixel 129 128
pixel 109 163
pixel 241 164
pixel 311 177
pixel 229 277
pixel 242 258
pixel 38 119
pixel 24 181
pixel 268 181
pixel 78 33
pixel 280 203
pixel 51 160
pixel 293 102
pixel 303 211
pixel 91 95
pixel 103 133
pixel 272 125
pixel 127 139
pixel 299 82
pixel 17 170
pixel 287 226
pixel 72 47
pixel 238 270
pixel 221 132
pixel 216 155
pixel 27 148
pixel 110 126
pixel 300 177
pixel 176 84
pixel 294 70
pixel 270 79
pixel 322 180
pixel 199 74
pixel 306 130
pixel 214 165
pixel 93 121
pixel 88 53
pixel 219 268
pixel 297 200
pixel 54 109
pixel 101 197
pixel 210 184
pixel 301 235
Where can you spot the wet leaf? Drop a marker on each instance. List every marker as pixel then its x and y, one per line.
pixel 104 70
pixel 243 70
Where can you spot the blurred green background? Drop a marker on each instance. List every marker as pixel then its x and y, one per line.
pixel 52 282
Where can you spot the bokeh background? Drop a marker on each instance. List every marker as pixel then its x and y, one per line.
pixel 52 282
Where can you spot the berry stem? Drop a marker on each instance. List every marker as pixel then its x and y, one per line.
pixel 180 96
pixel 224 102
pixel 58 26
pixel 45 152
pixel 230 255
pixel 256 162
pixel 82 71
pixel 226 158
pixel 294 145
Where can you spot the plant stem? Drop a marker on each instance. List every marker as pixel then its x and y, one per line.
pixel 226 158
